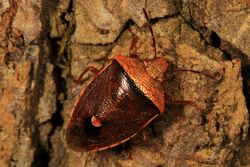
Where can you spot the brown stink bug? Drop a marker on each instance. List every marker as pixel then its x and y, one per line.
pixel 123 98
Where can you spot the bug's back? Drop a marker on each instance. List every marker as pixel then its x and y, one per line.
pixel 121 107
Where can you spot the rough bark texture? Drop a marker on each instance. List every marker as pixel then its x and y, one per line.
pixel 43 41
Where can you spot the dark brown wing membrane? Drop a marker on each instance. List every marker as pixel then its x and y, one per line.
pixel 114 100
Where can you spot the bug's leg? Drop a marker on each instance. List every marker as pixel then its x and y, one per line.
pixel 80 80
pixel 168 100
pixel 144 136
pixel 199 72
pixel 186 102
pixel 151 30
pixel 132 48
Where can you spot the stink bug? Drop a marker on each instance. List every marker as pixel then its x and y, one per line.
pixel 119 102
pixel 123 98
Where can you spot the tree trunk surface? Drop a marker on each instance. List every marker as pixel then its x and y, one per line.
pixel 42 42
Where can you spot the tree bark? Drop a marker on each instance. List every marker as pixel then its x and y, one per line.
pixel 42 42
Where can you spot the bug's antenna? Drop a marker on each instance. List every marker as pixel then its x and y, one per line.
pixel 150 29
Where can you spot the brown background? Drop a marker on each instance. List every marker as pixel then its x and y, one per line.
pixel 43 41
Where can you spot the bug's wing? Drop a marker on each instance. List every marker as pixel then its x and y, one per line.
pixel 122 126
pixel 117 103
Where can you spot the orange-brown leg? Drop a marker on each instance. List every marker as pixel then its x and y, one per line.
pixel 198 72
pixel 168 100
pixel 80 80
pixel 135 38
pixel 132 48
pixel 144 136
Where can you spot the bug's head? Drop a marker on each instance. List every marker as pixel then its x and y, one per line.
pixel 157 68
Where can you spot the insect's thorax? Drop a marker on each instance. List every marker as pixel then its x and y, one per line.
pixel 116 94
pixel 148 76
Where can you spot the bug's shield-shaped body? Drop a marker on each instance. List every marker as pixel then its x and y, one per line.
pixel 125 96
